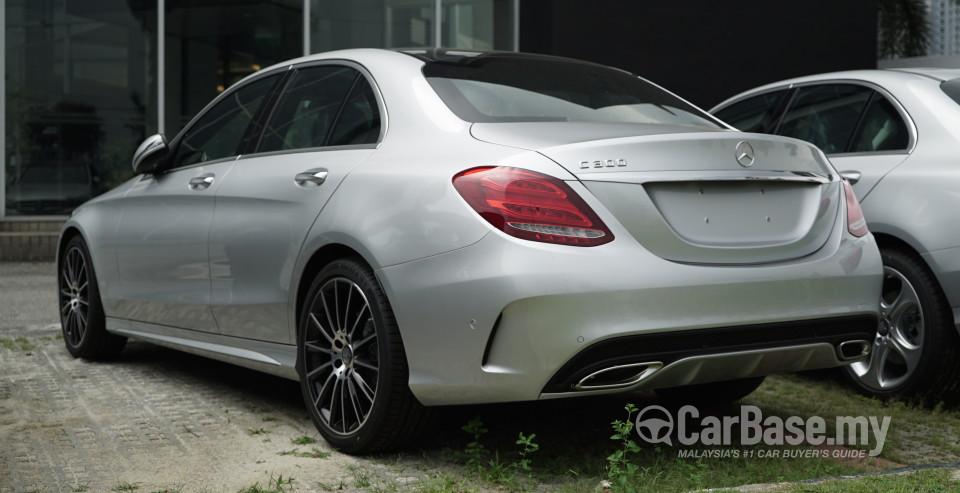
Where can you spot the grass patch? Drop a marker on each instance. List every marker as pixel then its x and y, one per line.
pixel 575 446
pixel 258 431
pixel 304 440
pixel 17 344
pixel 927 480
pixel 126 487
pixel 277 484
pixel 313 453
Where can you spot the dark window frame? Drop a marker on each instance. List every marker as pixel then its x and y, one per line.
pixel 877 92
pixel 269 100
pixel 256 139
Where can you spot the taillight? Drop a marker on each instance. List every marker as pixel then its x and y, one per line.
pixel 532 206
pixel 856 224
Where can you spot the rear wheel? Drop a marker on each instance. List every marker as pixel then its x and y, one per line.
pixel 351 362
pixel 81 313
pixel 713 393
pixel 914 354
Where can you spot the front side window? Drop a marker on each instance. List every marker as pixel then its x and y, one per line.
pixel 510 88
pixel 754 114
pixel 308 108
pixel 825 115
pixel 217 134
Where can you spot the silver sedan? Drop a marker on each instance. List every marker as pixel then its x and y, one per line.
pixel 894 133
pixel 401 230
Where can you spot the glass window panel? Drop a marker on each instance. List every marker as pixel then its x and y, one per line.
pixel 882 129
pixel 307 108
pixel 340 24
pixel 755 114
pixel 825 115
pixel 218 132
pixel 79 83
pixel 359 120
pixel 212 45
pixel 477 24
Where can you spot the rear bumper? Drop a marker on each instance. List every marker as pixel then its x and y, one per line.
pixel 498 320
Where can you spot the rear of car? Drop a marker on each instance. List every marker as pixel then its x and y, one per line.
pixel 635 242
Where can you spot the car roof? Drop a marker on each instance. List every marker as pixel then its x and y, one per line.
pixel 880 77
pixel 932 72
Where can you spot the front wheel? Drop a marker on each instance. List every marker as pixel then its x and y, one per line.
pixel 915 351
pixel 82 320
pixel 351 362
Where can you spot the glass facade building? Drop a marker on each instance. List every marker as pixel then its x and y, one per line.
pixel 84 82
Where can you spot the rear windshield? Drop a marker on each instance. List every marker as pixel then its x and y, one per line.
pixel 510 88
pixel 952 88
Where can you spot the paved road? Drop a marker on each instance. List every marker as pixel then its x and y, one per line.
pixel 156 418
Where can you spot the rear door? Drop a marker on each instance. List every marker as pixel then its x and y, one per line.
pixel 325 123
pixel 164 227
pixel 858 126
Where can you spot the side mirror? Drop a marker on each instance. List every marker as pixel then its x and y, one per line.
pixel 150 154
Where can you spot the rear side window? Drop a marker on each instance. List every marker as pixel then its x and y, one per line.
pixel 359 120
pixel 952 89
pixel 755 114
pixel 825 115
pixel 882 128
pixel 507 88
pixel 307 109
pixel 217 134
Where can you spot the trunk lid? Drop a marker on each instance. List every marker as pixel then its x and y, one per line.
pixel 695 196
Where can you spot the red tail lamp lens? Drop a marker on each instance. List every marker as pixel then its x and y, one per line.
pixel 856 224
pixel 532 206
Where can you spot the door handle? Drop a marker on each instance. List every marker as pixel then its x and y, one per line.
pixel 852 176
pixel 311 177
pixel 201 182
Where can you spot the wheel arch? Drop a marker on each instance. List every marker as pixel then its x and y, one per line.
pixel 885 240
pixel 68 233
pixel 317 261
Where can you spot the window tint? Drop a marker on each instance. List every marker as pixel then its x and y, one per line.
pixel 511 88
pixel 359 120
pixel 882 128
pixel 218 132
pixel 308 108
pixel 952 88
pixel 825 115
pixel 755 114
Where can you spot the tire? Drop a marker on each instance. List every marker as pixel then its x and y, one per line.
pixel 351 363
pixel 713 393
pixel 82 321
pixel 914 355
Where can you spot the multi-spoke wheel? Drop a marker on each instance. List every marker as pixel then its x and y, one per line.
pixel 352 367
pixel 81 313
pixel 913 353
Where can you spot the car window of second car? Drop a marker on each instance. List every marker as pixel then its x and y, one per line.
pixel 881 129
pixel 825 115
pixel 755 114
pixel 217 134
pixel 315 111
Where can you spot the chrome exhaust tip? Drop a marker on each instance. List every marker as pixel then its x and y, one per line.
pixel 620 376
pixel 851 350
